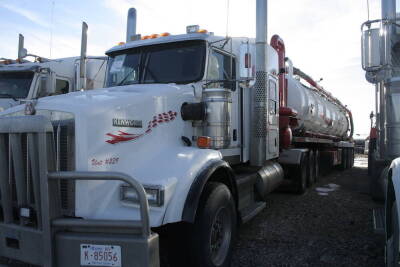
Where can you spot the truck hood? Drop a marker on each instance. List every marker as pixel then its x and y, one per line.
pixel 6 103
pixel 109 98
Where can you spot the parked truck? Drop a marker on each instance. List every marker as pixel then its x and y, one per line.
pixel 22 80
pixel 186 141
pixel 381 61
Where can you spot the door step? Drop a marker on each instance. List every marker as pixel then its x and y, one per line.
pixel 378 216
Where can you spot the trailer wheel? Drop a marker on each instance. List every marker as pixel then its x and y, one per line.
pixel 392 244
pixel 214 228
pixel 316 170
pixel 300 175
pixel 311 169
pixel 344 159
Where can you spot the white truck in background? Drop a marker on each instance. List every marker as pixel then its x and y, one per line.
pixel 381 61
pixel 22 80
pixel 190 135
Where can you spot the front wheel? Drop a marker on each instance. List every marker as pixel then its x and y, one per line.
pixel 214 228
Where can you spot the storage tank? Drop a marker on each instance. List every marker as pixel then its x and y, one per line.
pixel 317 114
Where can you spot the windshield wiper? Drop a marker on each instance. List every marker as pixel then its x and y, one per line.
pixel 8 96
pixel 126 77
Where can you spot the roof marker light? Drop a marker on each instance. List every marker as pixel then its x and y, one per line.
pixel 121 43
pixel 192 28
pixel 202 31
pixel 146 37
pixel 165 34
pixel 155 35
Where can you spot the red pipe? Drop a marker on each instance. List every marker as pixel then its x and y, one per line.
pixel 278 44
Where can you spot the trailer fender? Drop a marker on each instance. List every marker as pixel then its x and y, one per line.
pixel 196 189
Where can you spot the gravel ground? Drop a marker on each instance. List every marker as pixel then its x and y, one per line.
pixel 312 229
pixel 315 230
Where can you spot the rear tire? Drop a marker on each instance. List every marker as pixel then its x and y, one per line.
pixel 300 175
pixel 311 169
pixel 392 244
pixel 317 162
pixel 214 229
pixel 344 160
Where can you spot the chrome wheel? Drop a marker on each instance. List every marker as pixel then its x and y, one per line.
pixel 220 237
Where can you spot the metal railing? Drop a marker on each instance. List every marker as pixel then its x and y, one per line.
pixel 144 222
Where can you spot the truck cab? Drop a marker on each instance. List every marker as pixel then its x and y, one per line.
pixel 183 142
pixel 32 80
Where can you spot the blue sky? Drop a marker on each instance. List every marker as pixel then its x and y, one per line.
pixel 322 37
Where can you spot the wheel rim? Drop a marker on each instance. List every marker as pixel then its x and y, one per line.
pixel 220 237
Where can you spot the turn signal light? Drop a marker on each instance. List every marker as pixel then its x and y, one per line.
pixel 204 142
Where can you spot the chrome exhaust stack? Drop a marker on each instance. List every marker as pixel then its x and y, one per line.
pixel 259 92
pixel 388 9
pixel 82 67
pixel 22 52
pixel 131 25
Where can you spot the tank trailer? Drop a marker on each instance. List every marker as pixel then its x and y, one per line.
pixel 190 135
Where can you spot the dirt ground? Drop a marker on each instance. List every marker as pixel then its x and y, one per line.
pixel 330 225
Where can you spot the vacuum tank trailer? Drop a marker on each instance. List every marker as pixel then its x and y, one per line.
pixel 190 135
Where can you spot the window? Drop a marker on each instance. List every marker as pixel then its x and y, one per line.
pixel 273 97
pixel 221 68
pixel 15 84
pixel 179 62
pixel 62 87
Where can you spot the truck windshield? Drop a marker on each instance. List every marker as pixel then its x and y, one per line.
pixel 15 84
pixel 179 62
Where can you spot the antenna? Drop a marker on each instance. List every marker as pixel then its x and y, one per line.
pixel 368 8
pixel 51 25
pixel 227 17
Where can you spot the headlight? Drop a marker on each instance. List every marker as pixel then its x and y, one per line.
pixel 154 194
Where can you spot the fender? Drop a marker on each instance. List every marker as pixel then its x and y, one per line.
pixel 196 189
pixel 393 193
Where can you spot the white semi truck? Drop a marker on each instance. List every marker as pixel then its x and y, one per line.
pixel 381 61
pixel 189 137
pixel 22 80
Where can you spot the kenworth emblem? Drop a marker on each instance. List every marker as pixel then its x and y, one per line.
pixel 158 119
pixel 127 123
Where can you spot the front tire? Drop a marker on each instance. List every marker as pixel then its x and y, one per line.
pixel 214 228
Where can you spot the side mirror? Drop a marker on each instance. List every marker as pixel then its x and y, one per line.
pixel 247 63
pixel 371 49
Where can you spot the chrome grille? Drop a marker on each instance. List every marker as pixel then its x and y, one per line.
pixel 64 139
pixel 19 173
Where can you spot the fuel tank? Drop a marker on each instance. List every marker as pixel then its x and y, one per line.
pixel 316 113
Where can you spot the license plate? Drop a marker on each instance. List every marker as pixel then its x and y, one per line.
pixel 100 255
